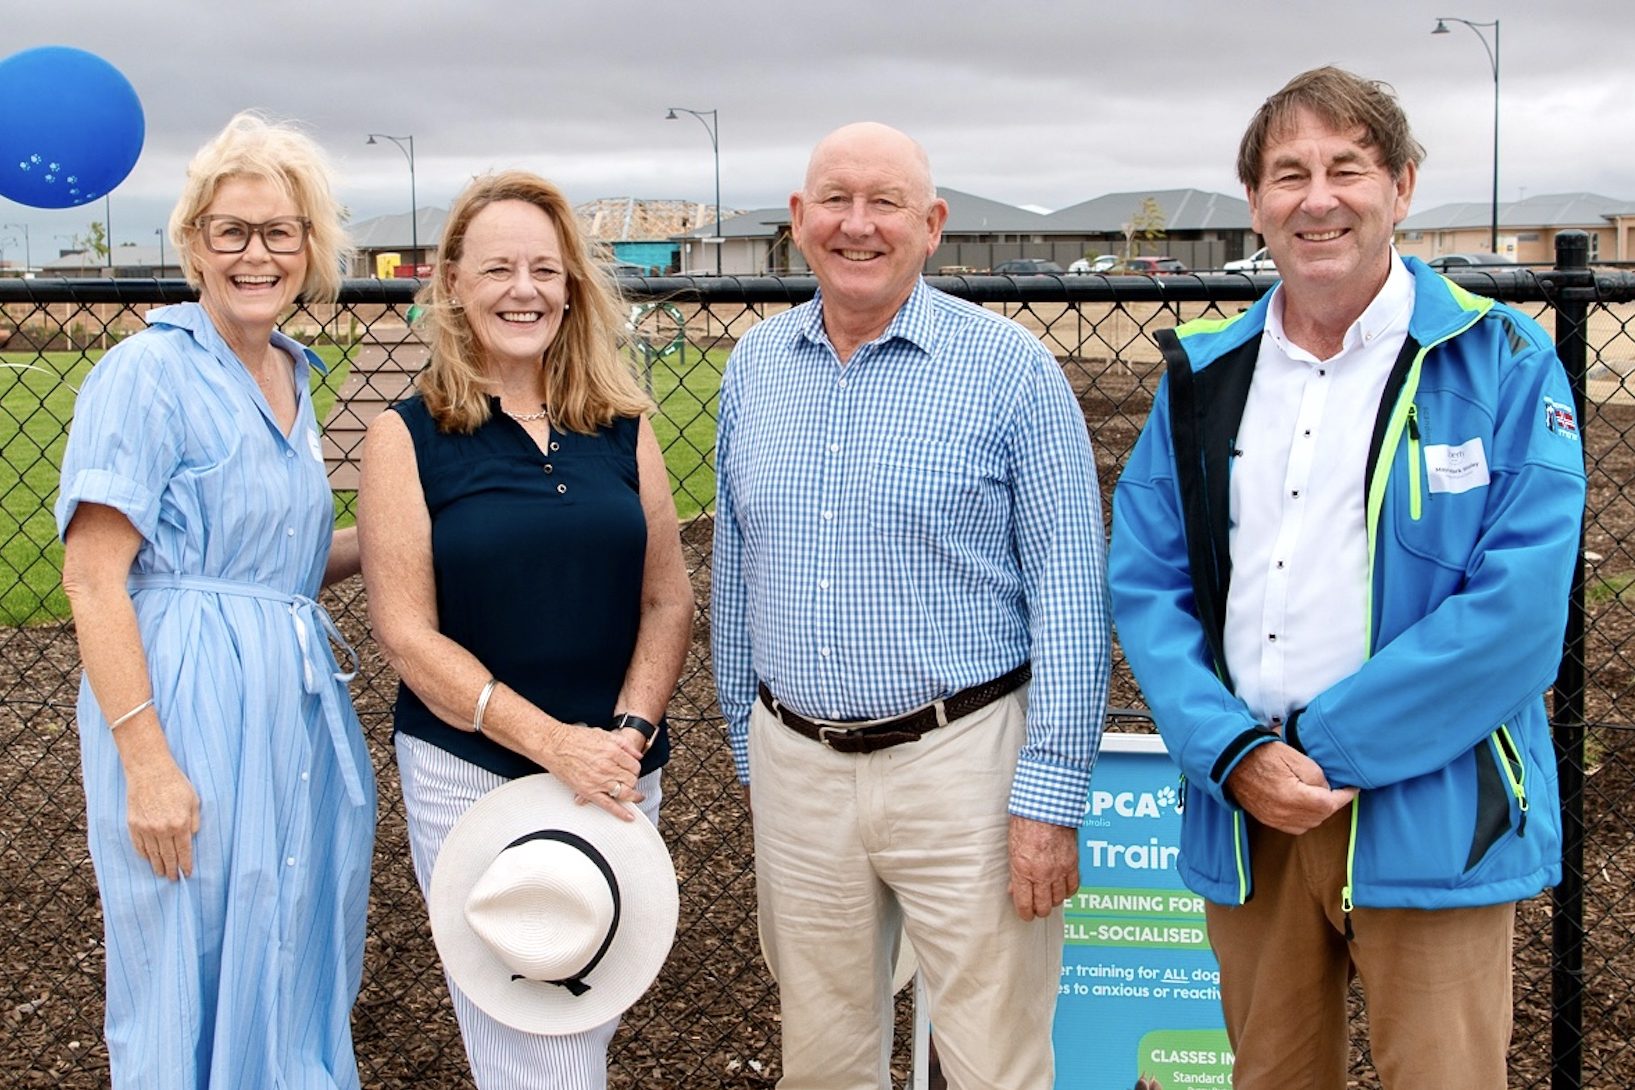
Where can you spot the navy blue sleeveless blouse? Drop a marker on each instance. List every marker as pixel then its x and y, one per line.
pixel 538 558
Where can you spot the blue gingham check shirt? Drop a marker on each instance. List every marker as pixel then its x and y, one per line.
pixel 916 522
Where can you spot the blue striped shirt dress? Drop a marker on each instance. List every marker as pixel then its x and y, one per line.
pixel 243 976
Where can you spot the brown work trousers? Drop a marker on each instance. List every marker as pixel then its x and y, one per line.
pixel 1437 983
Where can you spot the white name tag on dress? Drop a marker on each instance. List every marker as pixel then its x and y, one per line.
pixel 1456 469
pixel 315 448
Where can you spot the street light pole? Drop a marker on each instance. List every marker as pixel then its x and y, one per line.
pixel 414 210
pixel 1493 61
pixel 713 127
pixel 28 260
pixel 160 231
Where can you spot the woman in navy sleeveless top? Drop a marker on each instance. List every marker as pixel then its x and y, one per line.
pixel 522 558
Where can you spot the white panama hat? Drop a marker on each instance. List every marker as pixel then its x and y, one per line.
pixel 552 917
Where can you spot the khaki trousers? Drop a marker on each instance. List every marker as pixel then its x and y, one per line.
pixel 848 847
pixel 1437 983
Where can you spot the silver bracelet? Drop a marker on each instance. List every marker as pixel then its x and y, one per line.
pixel 132 714
pixel 482 705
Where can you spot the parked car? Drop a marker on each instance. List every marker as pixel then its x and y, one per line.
pixel 1149 266
pixel 626 268
pixel 1259 261
pixel 1098 264
pixel 1444 262
pixel 1026 266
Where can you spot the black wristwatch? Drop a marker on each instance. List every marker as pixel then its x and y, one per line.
pixel 635 722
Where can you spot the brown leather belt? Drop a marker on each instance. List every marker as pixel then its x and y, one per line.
pixel 868 735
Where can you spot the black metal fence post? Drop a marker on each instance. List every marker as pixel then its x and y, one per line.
pixel 1574 287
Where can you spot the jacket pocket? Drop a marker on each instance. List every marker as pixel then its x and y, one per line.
pixel 1501 787
pixel 1215 846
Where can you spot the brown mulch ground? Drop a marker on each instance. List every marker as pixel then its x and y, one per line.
pixel 711 1021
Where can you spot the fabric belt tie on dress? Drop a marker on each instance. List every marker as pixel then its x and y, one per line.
pixel 868 735
pixel 309 620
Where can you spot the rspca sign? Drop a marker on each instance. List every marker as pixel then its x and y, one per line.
pixel 1139 996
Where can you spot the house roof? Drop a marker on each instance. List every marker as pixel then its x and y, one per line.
pixel 636 219
pixel 756 223
pixel 82 262
pixel 969 214
pixel 1184 210
pixel 1544 210
pixel 392 232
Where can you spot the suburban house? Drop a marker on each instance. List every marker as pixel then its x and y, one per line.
pixel 645 233
pixel 388 243
pixel 753 243
pixel 139 262
pixel 1527 228
pixel 1205 230
pixel 1202 229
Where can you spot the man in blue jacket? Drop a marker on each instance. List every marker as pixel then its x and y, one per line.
pixel 1340 561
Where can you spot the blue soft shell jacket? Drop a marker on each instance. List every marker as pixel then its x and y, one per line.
pixel 1443 727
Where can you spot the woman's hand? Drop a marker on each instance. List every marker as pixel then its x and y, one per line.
pixel 600 766
pixel 162 810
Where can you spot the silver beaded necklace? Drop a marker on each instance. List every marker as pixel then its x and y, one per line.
pixel 526 417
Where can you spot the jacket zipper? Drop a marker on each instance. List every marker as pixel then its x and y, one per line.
pixel 1414 463
pixel 1372 506
pixel 1515 771
pixel 1350 862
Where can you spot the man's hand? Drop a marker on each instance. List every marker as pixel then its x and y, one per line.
pixel 1044 866
pixel 1284 789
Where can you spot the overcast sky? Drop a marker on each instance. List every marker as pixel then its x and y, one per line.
pixel 1042 103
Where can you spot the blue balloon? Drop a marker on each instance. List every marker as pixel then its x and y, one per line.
pixel 71 127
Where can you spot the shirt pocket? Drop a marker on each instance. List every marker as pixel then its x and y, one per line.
pixel 934 493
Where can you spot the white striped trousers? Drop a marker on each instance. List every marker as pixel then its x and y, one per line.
pixel 438 787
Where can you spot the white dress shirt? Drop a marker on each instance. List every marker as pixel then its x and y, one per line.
pixel 1297 609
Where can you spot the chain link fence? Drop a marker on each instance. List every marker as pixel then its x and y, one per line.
pixel 712 1018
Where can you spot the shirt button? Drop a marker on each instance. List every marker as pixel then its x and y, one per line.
pixel 828 516
pixel 554 447
pixel 305 776
pixel 1271 637
pixel 1280 565
pixel 823 584
pixel 289 531
pixel 548 468
pixel 1322 371
pixel 834 448
pixel 1295 492
pixel 840 383
pixel 289 454
pixel 290 862
pixel 824 651
pixel 561 488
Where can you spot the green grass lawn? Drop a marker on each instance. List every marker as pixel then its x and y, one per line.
pixel 687 386
pixel 36 403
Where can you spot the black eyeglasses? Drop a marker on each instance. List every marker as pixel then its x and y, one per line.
pixel 230 235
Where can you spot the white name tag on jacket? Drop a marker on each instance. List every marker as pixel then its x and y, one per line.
pixel 1456 469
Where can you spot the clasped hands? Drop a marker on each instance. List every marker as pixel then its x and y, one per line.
pixel 1284 789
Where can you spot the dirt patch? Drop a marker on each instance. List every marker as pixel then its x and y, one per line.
pixel 711 1020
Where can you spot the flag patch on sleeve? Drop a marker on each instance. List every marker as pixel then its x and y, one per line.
pixel 1559 418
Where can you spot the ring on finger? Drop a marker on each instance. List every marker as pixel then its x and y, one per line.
pixel 615 789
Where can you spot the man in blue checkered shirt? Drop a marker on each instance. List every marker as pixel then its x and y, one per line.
pixel 907 527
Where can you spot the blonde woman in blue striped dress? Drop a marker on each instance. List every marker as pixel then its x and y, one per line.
pixel 229 794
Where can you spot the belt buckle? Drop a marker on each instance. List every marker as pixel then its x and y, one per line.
pixel 827 733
